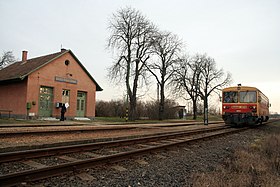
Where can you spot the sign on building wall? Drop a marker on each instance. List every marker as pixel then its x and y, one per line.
pixel 62 79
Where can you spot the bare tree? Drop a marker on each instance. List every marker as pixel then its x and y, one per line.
pixel 186 80
pixel 166 46
pixel 130 36
pixel 199 78
pixel 6 59
pixel 212 79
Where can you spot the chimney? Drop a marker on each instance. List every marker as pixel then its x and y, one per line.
pixel 63 50
pixel 24 56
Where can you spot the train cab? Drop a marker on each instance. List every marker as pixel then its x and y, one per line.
pixel 244 105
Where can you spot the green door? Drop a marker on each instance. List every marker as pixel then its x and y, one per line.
pixel 81 104
pixel 45 102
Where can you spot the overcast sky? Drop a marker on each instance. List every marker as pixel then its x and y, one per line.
pixel 241 35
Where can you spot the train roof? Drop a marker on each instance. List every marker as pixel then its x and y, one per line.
pixel 240 88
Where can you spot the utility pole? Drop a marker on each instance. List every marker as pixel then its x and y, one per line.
pixel 126 110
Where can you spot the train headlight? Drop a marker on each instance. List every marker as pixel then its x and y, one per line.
pixel 253 108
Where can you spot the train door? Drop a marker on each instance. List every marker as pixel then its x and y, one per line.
pixel 81 104
pixel 46 101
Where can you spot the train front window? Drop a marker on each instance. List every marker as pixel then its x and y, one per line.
pixel 230 97
pixel 248 97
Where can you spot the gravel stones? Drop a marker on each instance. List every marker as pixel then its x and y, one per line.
pixel 173 167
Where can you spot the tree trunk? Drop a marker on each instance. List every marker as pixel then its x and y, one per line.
pixel 194 110
pixel 161 103
pixel 132 109
pixel 205 113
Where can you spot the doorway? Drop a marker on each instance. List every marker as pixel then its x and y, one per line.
pixel 81 104
pixel 46 101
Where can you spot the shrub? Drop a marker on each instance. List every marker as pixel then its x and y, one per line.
pixel 149 109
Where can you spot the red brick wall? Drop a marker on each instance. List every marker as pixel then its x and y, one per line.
pixel 13 97
pixel 45 76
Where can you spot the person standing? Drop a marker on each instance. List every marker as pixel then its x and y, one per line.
pixel 63 110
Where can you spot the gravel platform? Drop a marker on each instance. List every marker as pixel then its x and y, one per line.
pixel 173 167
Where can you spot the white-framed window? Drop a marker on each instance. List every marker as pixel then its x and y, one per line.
pixel 65 96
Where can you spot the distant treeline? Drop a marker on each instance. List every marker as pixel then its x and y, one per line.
pixel 148 109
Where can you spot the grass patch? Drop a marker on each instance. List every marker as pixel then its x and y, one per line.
pixel 109 119
pixel 256 165
pixel 210 118
pixel 118 120
pixel 189 118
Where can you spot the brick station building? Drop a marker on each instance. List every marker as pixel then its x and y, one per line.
pixel 36 87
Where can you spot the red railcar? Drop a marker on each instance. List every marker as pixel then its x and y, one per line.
pixel 244 105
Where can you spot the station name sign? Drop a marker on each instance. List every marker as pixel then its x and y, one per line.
pixel 67 80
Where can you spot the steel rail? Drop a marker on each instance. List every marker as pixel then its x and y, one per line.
pixel 36 174
pixel 42 125
pixel 120 127
pixel 182 122
pixel 39 132
pixel 43 152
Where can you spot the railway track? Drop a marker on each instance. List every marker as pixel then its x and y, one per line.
pixel 98 153
pixel 165 123
pixel 55 129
